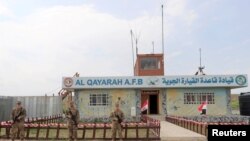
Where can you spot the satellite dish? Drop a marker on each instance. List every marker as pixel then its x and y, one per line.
pixel 200 68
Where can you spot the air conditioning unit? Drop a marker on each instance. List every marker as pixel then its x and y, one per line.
pixel 133 111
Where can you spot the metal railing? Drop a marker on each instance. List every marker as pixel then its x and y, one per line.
pixel 147 129
pixel 152 122
pixel 197 126
pixel 45 120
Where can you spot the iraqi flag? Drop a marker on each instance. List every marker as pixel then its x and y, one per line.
pixel 144 106
pixel 202 106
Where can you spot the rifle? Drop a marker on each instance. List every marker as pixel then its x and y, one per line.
pixel 16 118
pixel 73 117
pixel 119 119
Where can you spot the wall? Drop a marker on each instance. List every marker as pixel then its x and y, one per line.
pixel 129 99
pixel 176 106
pixel 6 104
pixel 36 106
pixel 171 101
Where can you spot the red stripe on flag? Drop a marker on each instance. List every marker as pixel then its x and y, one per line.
pixel 144 106
pixel 200 107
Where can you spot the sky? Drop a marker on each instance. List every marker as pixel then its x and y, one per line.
pixel 43 40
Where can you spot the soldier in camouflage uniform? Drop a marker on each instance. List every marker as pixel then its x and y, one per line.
pixel 18 116
pixel 116 117
pixel 73 117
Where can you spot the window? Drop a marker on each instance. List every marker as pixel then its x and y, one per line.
pixel 198 98
pixel 150 63
pixel 193 99
pixel 204 97
pixel 98 100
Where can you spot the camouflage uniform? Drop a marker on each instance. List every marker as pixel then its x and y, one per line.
pixel 18 116
pixel 73 120
pixel 116 126
pixel 118 102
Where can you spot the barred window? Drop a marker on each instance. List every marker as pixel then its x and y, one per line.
pixel 98 99
pixel 198 98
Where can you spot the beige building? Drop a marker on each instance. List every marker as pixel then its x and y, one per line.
pixel 173 95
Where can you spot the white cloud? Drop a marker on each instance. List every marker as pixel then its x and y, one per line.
pixel 38 50
pixel 191 17
pixel 4 10
pixel 59 41
pixel 173 55
pixel 176 7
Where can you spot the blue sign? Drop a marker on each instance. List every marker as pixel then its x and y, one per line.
pixel 155 81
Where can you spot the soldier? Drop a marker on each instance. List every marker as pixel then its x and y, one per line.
pixel 73 119
pixel 119 101
pixel 18 116
pixel 116 117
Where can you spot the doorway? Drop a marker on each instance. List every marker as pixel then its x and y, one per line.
pixel 152 98
pixel 153 102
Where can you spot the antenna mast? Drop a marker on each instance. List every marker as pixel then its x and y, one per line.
pixel 131 33
pixel 136 43
pixel 163 50
pixel 153 44
pixel 162 32
pixel 200 68
pixel 200 56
